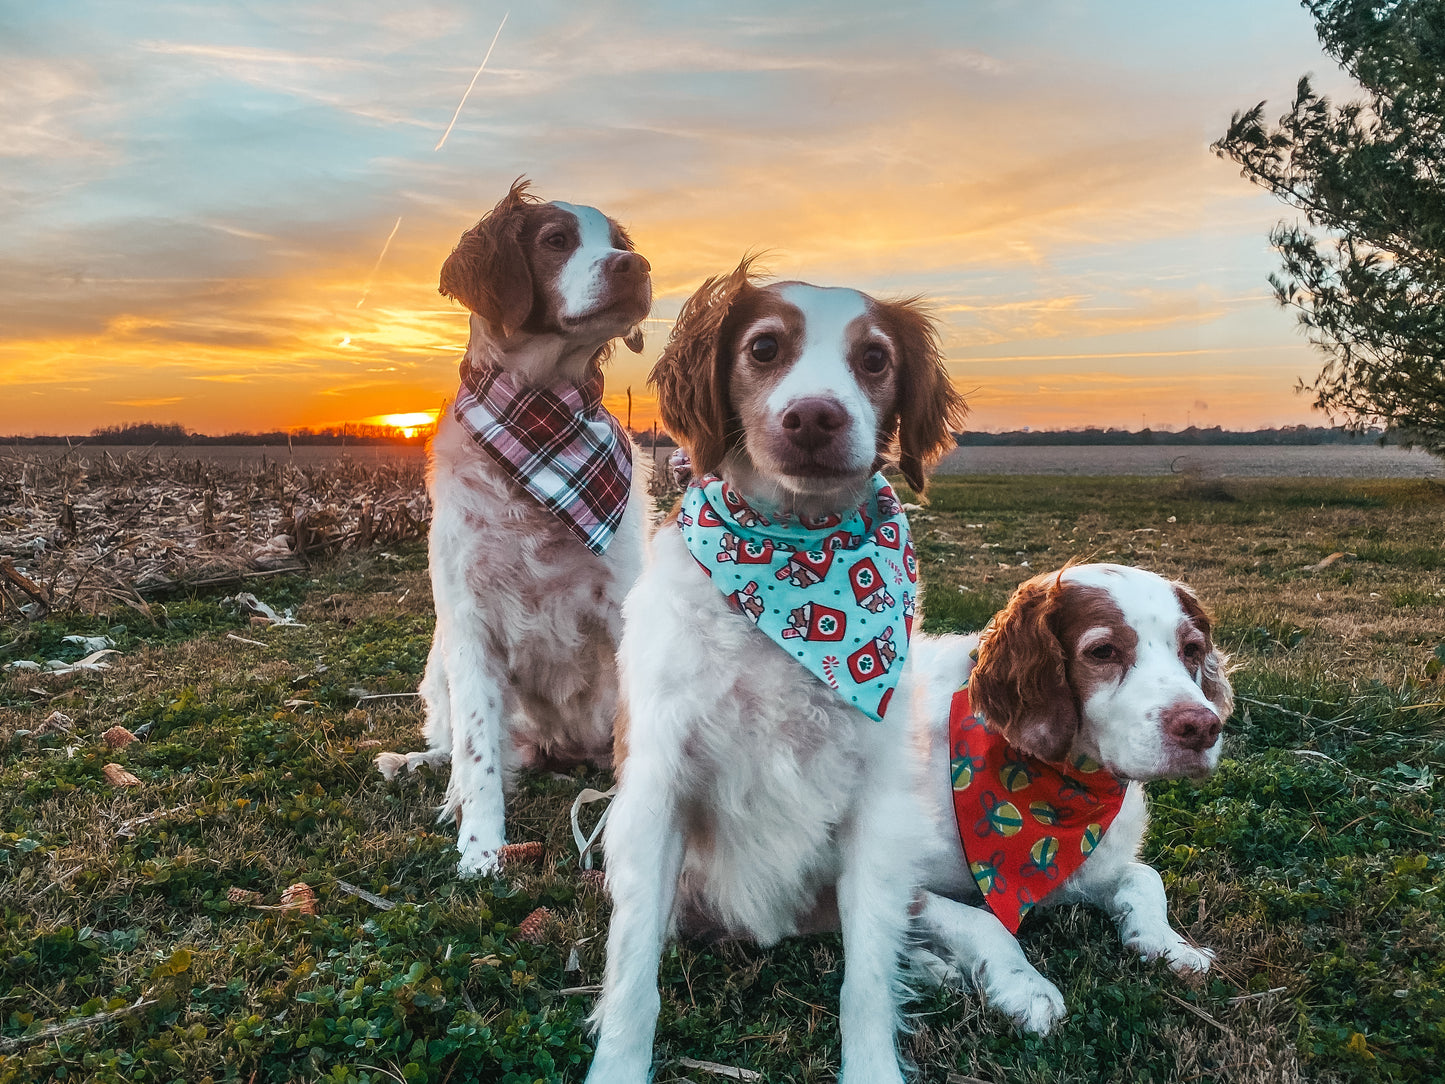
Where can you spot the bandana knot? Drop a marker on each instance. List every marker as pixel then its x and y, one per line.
pixel 836 592
pixel 557 442
pixel 1026 824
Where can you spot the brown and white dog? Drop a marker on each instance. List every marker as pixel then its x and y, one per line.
pixel 750 790
pixel 1096 663
pixel 522 668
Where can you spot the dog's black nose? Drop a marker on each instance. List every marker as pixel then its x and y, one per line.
pixel 628 263
pixel 1192 726
pixel 811 423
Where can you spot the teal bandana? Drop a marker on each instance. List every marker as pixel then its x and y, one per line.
pixel 836 593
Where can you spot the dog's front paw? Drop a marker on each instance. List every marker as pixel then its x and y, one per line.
pixel 480 861
pixel 1026 997
pixel 627 1067
pixel 1182 957
pixel 1187 959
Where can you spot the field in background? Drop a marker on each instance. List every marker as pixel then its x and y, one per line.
pixel 1311 861
pixel 1227 461
pixel 1213 461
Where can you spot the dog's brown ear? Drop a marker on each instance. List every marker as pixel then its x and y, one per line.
pixel 930 409
pixel 487 271
pixel 1021 683
pixel 1213 672
pixel 691 376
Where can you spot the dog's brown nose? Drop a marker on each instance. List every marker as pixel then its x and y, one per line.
pixel 811 423
pixel 628 263
pixel 1192 727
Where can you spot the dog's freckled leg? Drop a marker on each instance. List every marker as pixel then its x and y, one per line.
pixel 474 789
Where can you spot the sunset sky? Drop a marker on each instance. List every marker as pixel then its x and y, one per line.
pixel 196 198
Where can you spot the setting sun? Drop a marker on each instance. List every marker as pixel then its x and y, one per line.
pixel 407 424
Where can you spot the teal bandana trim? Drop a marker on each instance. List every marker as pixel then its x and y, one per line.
pixel 836 593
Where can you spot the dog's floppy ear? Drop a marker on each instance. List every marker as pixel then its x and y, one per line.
pixel 691 376
pixel 1213 676
pixel 930 409
pixel 1021 684
pixel 487 271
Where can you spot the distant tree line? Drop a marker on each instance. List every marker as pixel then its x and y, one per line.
pixel 1289 434
pixel 170 434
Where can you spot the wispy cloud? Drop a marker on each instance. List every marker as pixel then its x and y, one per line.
pixel 468 92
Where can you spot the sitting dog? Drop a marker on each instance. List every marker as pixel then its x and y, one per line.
pixel 540 509
pixel 1092 680
pixel 761 766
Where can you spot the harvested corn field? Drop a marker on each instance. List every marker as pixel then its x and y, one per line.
pixel 88 528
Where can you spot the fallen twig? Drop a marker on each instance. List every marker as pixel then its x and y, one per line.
pixel 7 1045
pixel 27 586
pixel 1255 997
pixel 362 894
pixel 1197 1011
pixel 728 1072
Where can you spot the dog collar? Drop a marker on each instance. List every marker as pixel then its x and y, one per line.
pixel 1026 824
pixel 836 593
pixel 557 442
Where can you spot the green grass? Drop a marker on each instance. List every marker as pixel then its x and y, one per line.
pixel 1311 861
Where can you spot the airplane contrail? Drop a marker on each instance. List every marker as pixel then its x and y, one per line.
pixel 473 83
pixel 377 266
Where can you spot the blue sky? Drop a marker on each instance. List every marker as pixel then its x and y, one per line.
pixel 194 196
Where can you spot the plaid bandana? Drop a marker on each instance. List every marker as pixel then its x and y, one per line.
pixel 835 593
pixel 557 443
pixel 1026 825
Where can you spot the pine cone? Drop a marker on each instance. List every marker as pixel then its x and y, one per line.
pixel 516 854
pixel 594 880
pixel 243 896
pixel 117 776
pixel 117 737
pixel 299 897
pixel 57 721
pixel 534 927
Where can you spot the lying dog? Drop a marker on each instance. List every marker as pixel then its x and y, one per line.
pixel 1091 681
pixel 761 765
pixel 540 509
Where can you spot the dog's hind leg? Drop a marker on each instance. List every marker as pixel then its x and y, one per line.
pixel 993 960
pixel 438 729
pixel 436 695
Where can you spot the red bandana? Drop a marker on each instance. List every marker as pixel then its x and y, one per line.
pixel 1026 825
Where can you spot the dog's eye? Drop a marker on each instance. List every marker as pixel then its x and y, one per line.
pixel 764 348
pixel 556 240
pixel 874 360
pixel 1104 653
pixel 1194 650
